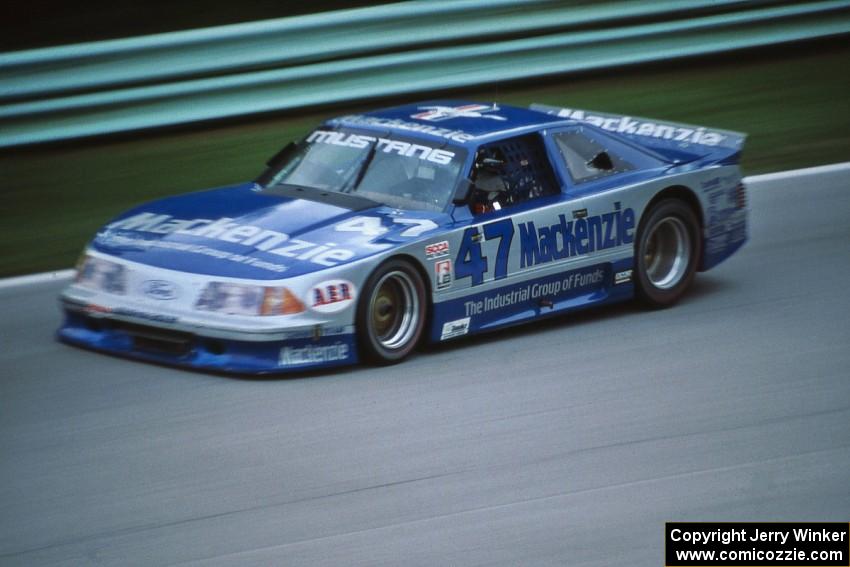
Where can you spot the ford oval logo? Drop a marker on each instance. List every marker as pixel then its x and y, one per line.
pixel 160 289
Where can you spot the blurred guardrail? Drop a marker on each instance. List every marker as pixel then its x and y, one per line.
pixel 175 78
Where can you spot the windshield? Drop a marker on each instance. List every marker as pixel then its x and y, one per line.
pixel 400 173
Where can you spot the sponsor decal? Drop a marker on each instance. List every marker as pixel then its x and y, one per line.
pixel 552 288
pixel 725 236
pixel 109 238
pixel 95 309
pixel 443 268
pixel 564 239
pixel 384 145
pixel 160 289
pixel 541 245
pixel 318 330
pixel 722 195
pixel 313 354
pixel 629 125
pixel 715 245
pixel 440 113
pixel 331 296
pixel 437 250
pixel 225 230
pixel 738 231
pixel 156 317
pixel 712 183
pixel 622 277
pixel 395 123
pixel 455 328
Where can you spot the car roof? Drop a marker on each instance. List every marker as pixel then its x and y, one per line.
pixel 462 122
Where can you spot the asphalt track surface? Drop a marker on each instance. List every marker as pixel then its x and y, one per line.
pixel 569 442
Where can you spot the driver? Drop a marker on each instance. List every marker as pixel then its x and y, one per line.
pixel 491 190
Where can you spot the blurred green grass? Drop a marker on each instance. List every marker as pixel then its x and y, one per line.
pixel 792 102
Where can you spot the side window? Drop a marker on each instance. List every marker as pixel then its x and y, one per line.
pixel 512 171
pixel 587 158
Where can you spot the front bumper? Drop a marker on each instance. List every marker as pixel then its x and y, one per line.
pixel 304 349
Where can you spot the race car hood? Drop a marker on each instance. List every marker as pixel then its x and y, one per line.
pixel 241 232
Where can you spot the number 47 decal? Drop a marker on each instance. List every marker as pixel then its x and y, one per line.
pixel 471 263
pixel 372 226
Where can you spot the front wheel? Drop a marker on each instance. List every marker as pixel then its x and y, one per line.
pixel 667 251
pixel 391 312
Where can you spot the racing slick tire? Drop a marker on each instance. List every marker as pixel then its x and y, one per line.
pixel 666 252
pixel 391 313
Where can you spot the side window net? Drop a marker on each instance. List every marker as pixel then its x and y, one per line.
pixel 528 172
pixel 518 170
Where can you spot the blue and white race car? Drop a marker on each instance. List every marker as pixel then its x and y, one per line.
pixel 429 221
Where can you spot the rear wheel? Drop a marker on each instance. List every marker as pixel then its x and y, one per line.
pixel 391 312
pixel 667 251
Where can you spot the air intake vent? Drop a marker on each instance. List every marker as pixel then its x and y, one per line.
pixel 741 196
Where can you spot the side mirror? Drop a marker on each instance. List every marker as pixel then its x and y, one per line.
pixel 601 161
pixel 490 182
pixel 486 181
pixel 274 163
pixel 281 156
pixel 464 188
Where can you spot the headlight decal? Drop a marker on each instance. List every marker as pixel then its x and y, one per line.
pixel 102 275
pixel 245 299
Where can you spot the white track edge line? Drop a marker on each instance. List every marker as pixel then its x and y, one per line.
pixel 61 275
pixel 833 167
pixel 32 279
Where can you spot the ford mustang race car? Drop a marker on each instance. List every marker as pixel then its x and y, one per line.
pixel 431 221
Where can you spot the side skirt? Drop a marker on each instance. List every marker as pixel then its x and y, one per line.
pixel 533 299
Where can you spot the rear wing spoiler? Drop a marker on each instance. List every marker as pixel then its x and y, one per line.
pixel 672 139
